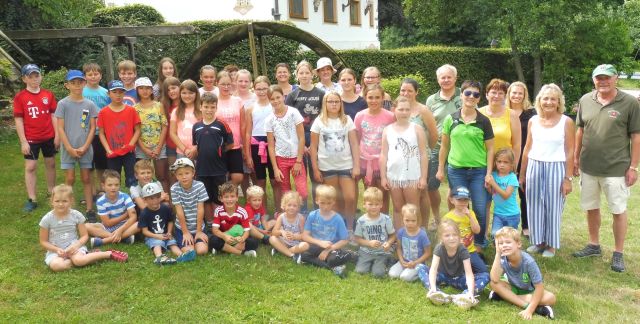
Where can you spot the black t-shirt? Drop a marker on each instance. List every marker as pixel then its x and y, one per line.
pixel 157 221
pixel 352 108
pixel 211 141
pixel 452 266
pixel 308 103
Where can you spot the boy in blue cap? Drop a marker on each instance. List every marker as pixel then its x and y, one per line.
pixel 33 110
pixel 119 132
pixel 76 122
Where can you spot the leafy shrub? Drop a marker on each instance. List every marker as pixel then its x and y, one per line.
pixel 392 86
pixel 54 82
pixel 130 15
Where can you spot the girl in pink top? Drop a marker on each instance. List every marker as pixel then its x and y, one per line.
pixel 231 111
pixel 184 117
pixel 369 125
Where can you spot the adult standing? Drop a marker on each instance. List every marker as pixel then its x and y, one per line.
pixel 519 103
pixel 607 153
pixel 547 166
pixel 467 148
pixel 442 104
pixel 424 117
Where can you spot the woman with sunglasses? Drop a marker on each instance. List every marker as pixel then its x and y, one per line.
pixel 467 147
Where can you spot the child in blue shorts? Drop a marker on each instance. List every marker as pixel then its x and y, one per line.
pixel 156 223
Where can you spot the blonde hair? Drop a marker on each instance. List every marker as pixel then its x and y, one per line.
pixel 161 76
pixel 255 191
pixel 304 64
pixel 526 102
pixel 126 65
pixel 62 190
pixel 290 196
pixel 508 232
pixel 446 224
pixel 326 191
pixel 324 114
pixel 506 152
pixel 372 194
pixel 367 70
pixel 409 209
pixel 553 88
pixel 144 165
pixel 399 100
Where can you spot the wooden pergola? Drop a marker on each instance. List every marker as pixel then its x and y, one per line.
pixel 109 36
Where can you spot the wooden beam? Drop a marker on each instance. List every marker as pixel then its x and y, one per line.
pixel 252 49
pixel 163 30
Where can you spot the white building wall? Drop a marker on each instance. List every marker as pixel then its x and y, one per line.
pixel 340 35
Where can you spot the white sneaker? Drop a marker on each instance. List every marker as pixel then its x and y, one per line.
pixel 213 251
pixel 251 253
pixel 438 297
pixel 273 252
pixel 463 301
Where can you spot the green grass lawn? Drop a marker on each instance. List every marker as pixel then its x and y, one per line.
pixel 225 288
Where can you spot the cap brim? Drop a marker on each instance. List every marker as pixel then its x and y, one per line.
pixel 77 77
pixel 31 71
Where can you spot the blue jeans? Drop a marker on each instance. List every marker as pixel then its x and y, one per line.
pixel 127 162
pixel 480 279
pixel 500 221
pixel 473 179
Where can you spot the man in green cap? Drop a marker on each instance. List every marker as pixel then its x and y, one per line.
pixel 607 153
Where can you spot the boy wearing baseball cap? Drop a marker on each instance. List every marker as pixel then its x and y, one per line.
pixel 468 225
pixel 188 197
pixel 76 122
pixel 119 132
pixel 33 112
pixel 156 223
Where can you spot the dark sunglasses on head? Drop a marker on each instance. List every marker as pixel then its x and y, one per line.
pixel 472 93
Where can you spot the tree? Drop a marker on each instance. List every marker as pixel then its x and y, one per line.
pixel 563 38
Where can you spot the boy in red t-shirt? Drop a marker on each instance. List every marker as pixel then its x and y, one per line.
pixel 33 110
pixel 227 219
pixel 119 132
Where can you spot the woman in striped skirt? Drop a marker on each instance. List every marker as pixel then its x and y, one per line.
pixel 547 166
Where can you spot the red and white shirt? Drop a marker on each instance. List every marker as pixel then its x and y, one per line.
pixel 224 220
pixel 36 110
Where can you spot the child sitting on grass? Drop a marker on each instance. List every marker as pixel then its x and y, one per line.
pixel 524 287
pixel 287 232
pixel 226 235
pixel 63 234
pixel 145 174
pixel 413 246
pixel 156 223
pixel 375 235
pixel 451 266
pixel 326 234
pixel 188 197
pixel 260 226
pixel 468 225
pixel 118 219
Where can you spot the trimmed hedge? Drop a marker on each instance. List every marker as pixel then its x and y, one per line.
pixel 392 86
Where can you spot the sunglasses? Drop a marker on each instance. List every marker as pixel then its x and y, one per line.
pixel 472 93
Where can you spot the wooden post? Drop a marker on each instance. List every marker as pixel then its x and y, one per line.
pixel 108 47
pixel 130 41
pixel 252 48
pixel 263 57
pixel 16 47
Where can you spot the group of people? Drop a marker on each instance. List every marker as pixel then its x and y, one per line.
pixel 188 152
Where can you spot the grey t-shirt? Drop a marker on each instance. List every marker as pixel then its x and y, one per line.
pixel 524 276
pixel 452 266
pixel 378 229
pixel 76 115
pixel 62 231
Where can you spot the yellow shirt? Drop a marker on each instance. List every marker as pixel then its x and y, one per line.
pixel 464 224
pixel 501 128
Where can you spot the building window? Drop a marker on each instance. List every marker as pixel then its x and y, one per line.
pixel 330 11
pixel 298 9
pixel 354 12
pixel 371 13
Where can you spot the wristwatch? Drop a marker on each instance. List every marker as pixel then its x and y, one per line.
pixel 569 178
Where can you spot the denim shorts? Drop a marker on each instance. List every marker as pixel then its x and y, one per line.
pixel 164 244
pixel 336 173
